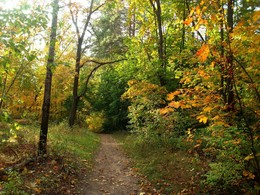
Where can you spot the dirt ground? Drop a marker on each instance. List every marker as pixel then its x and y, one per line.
pixel 112 173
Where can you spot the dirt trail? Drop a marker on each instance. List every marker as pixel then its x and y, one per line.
pixel 111 173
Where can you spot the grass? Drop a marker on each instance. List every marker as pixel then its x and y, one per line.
pixel 70 154
pixel 168 171
pixel 78 142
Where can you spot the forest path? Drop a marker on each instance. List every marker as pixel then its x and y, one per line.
pixel 111 172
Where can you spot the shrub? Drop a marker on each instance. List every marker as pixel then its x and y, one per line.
pixel 230 150
pixel 95 122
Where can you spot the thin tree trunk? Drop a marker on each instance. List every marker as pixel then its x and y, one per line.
pixel 80 36
pixel 183 28
pixel 161 51
pixel 222 53
pixel 42 150
pixel 75 100
pixel 230 61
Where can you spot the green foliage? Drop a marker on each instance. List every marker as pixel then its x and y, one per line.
pixel 14 185
pixel 230 150
pixel 146 99
pixel 107 95
pixel 9 128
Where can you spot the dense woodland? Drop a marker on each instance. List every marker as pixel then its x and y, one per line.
pixel 175 73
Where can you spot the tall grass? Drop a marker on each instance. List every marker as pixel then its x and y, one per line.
pixel 76 141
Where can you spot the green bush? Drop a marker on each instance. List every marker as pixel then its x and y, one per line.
pixel 230 169
pixel 95 122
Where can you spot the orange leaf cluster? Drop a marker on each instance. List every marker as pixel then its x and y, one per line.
pixel 203 53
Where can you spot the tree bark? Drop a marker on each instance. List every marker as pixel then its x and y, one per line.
pixel 42 150
pixel 161 43
pixel 75 99
pixel 80 36
pixel 230 60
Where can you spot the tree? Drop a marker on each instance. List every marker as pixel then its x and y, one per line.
pixel 109 31
pixel 42 150
pixel 17 54
pixel 81 48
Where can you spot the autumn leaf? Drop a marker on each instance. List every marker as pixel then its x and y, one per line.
pixel 174 104
pixel 248 174
pixel 203 53
pixel 198 11
pixel 249 157
pixel 202 119
pixel 172 95
pixel 165 110
pixel 187 21
pixel 207 109
pixel 256 16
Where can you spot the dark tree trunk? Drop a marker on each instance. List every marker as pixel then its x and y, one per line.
pixel 42 150
pixel 227 67
pixel 230 61
pixel 80 36
pixel 161 42
pixel 183 27
pixel 75 100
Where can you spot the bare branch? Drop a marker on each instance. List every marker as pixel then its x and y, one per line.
pixel 100 64
pixel 75 22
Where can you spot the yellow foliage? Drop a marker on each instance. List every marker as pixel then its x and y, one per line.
pixel 202 119
pixel 174 104
pixel 249 157
pixel 165 110
pixel 171 96
pixel 95 122
pixel 207 109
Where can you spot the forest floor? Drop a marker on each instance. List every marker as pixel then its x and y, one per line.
pixel 112 173
pixel 83 163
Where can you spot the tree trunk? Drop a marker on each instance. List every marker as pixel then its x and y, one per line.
pixel 230 61
pixel 161 43
pixel 80 36
pixel 75 100
pixel 183 27
pixel 42 150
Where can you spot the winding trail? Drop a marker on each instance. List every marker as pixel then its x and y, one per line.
pixel 111 172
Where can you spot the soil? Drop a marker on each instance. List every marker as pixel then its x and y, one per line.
pixel 112 173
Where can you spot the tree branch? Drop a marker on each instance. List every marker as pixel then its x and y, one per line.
pixel 100 64
pixel 250 78
pixel 75 22
pixel 193 23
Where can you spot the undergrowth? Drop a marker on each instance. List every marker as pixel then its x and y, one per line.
pixel 70 152
pixel 170 170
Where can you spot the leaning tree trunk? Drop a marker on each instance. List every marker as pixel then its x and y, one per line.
pixel 42 150
pixel 80 36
